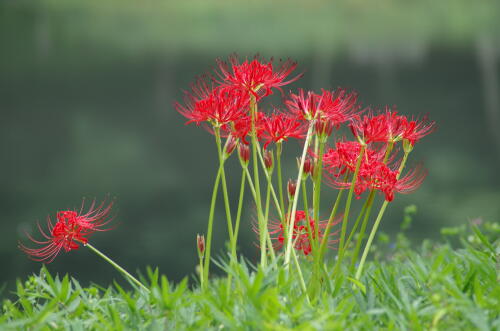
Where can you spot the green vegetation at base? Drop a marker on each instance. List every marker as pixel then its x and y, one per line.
pixel 452 285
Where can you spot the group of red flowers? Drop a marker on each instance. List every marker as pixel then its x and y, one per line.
pixel 222 101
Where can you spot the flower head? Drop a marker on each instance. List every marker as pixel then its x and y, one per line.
pixel 336 106
pixel 416 130
pixel 278 127
pixel 301 237
pixel 256 76
pixel 217 106
pixel 389 127
pixel 71 229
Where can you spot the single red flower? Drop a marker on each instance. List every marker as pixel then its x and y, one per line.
pixel 416 130
pixel 337 161
pixel 257 76
pixel 300 236
pixel 241 127
pixel 389 127
pixel 278 127
pixel 71 229
pixel 206 103
pixel 337 106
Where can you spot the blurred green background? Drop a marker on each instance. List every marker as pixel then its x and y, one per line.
pixel 86 93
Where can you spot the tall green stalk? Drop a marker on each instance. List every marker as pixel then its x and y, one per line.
pixel 317 186
pixel 253 112
pixel 324 240
pixel 367 211
pixel 346 211
pixel 289 247
pixel 279 150
pixel 224 189
pixel 377 223
pixel 117 267
pixel 208 248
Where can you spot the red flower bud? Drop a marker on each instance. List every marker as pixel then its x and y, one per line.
pixel 230 145
pixel 292 186
pixel 308 167
pixel 268 160
pixel 323 128
pixel 200 243
pixel 244 153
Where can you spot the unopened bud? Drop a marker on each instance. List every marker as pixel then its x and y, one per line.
pixel 230 145
pixel 244 153
pixel 308 167
pixel 268 160
pixel 200 243
pixel 292 186
pixel 323 128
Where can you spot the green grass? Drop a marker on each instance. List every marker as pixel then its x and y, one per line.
pixel 450 285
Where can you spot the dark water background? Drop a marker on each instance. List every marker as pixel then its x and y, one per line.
pixel 86 93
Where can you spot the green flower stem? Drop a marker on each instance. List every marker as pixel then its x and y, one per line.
pixel 346 212
pixel 253 112
pixel 328 228
pixel 240 208
pixel 117 267
pixel 377 223
pixel 202 283
pixel 236 228
pixel 268 236
pixel 269 181
pixel 289 247
pixel 250 182
pixel 279 150
pixel 301 276
pixel 224 190
pixel 210 226
pixel 317 186
pixel 306 210
pixel 364 209
pixel 368 208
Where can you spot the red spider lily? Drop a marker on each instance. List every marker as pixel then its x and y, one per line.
pixel 213 105
pixel 370 128
pixel 241 127
pixel 337 106
pixel 345 156
pixel 301 236
pixel 257 76
pixel 416 130
pixel 378 176
pixel 386 181
pixel 71 228
pixel 389 127
pixel 278 127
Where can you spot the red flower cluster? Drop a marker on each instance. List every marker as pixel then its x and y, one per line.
pixel 300 236
pixel 222 100
pixel 373 173
pixel 389 127
pixel 71 228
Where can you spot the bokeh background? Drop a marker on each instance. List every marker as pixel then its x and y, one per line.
pixel 86 93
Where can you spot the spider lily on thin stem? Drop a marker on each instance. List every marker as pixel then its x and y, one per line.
pixel 72 229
